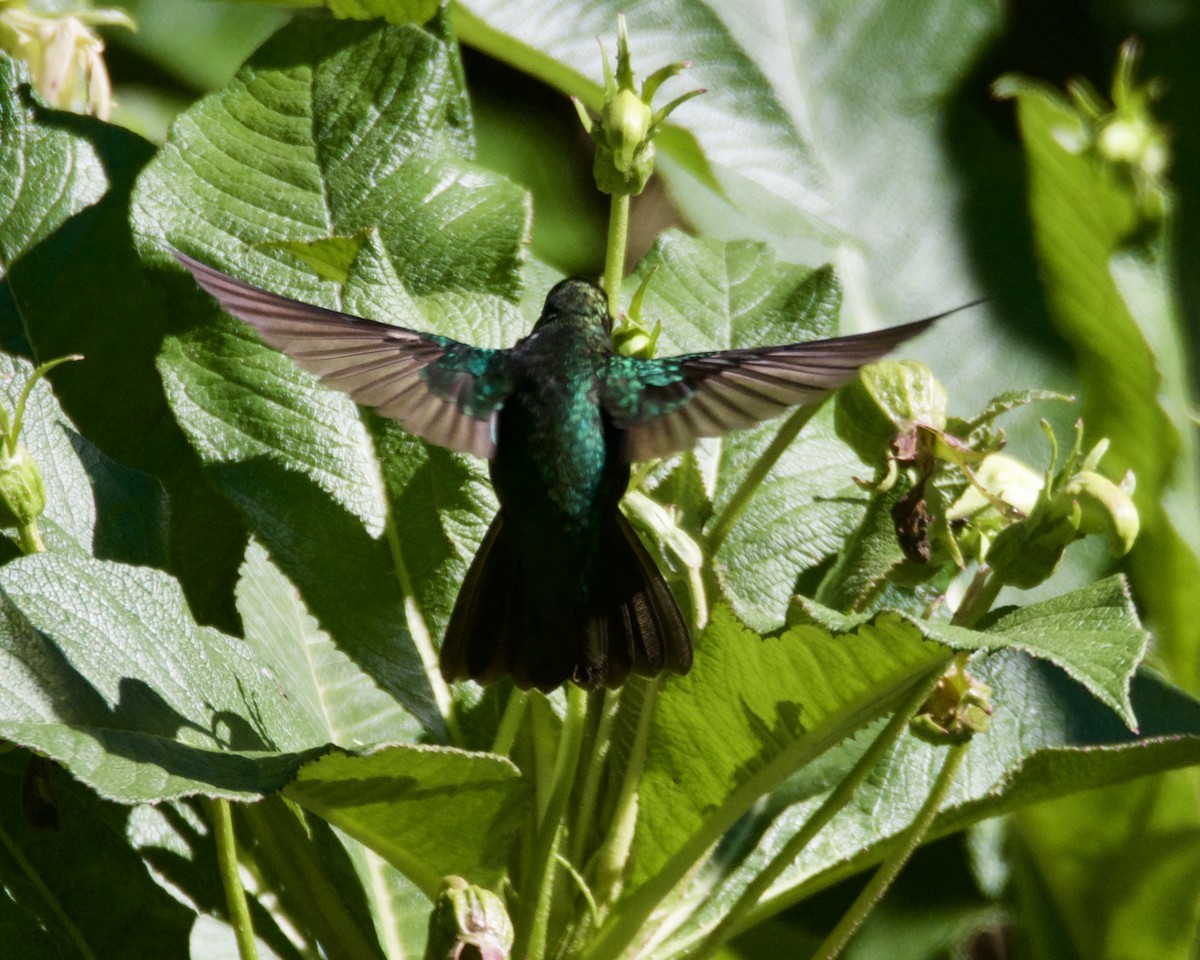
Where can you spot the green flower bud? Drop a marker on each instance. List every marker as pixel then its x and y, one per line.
pixel 1097 505
pixel 22 493
pixel 624 134
pixel 625 122
pixel 468 923
pixel 959 707
pixel 999 480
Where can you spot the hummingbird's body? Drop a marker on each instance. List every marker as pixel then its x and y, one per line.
pixel 561 588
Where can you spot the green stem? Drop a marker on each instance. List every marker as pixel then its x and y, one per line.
pixel 757 473
pixel 235 896
pixel 533 920
pixel 978 599
pixel 510 722
pixel 614 258
pixel 611 859
pixel 878 885
pixel 590 791
pixel 749 898
pixel 29 539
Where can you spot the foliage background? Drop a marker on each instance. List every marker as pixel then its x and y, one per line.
pixel 868 138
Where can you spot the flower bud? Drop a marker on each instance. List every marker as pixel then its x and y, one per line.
pixel 468 923
pixel 1101 507
pixel 22 493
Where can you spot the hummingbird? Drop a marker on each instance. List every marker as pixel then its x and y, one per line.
pixel 561 588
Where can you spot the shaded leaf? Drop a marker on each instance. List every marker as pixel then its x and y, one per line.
pixel 47 173
pixel 108 673
pixel 410 803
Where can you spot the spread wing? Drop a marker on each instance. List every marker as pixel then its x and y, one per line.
pixel 664 405
pixel 443 391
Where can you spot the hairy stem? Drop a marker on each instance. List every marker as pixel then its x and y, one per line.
pixel 878 885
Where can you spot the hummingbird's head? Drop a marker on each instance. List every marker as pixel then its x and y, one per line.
pixel 576 301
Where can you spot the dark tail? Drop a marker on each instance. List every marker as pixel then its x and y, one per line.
pixel 545 622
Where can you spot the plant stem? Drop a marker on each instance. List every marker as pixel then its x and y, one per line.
pixel 611 857
pixel 749 898
pixel 235 896
pixel 878 885
pixel 614 258
pixel 590 791
pixel 978 599
pixel 533 920
pixel 510 722
pixel 757 473
pixel 29 539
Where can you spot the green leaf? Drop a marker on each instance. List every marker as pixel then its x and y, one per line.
pixel 322 681
pixel 751 713
pixel 110 675
pixel 1111 297
pixel 1047 738
pixel 714 296
pixel 48 172
pixel 410 804
pixel 1092 633
pixel 330 130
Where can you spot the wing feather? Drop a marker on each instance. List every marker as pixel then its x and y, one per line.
pixel 665 405
pixel 426 382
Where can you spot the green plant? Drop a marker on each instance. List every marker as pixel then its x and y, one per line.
pixel 227 646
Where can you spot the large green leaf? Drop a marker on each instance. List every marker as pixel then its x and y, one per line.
pixel 109 675
pixel 410 805
pixel 1092 633
pixel 751 713
pixel 1048 738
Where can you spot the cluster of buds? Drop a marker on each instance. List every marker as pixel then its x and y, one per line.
pixel 965 499
pixel 1122 134
pixel 64 53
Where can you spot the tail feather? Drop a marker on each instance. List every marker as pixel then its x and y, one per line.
pixel 520 615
